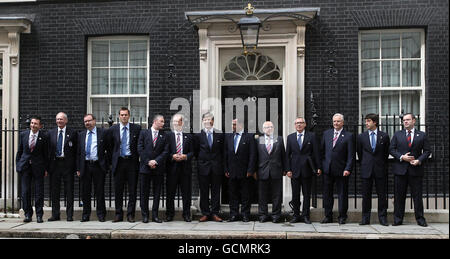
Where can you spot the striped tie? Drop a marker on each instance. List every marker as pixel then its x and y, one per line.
pixel 335 138
pixel 178 143
pixel 155 137
pixel 408 138
pixel 33 142
pixel 269 146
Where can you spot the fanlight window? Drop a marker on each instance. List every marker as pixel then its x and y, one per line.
pixel 252 66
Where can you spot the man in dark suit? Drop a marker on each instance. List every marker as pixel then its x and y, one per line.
pixel 122 141
pixel 240 159
pixel 92 166
pixel 153 150
pixel 32 164
pixel 411 149
pixel 271 168
pixel 209 152
pixel 179 169
pixel 302 152
pixel 62 147
pixel 337 162
pixel 373 153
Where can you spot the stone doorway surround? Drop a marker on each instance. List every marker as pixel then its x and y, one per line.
pixel 281 28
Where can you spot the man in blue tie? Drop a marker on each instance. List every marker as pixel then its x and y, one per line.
pixel 122 139
pixel 62 146
pixel 92 166
pixel 373 152
pixel 209 153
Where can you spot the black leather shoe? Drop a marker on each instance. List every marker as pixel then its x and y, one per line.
pixel 263 219
pixel 306 220
pixel 364 222
pixel 101 219
pixel 341 221
pixel 295 219
pixel 157 220
pixel 54 219
pixel 326 220
pixel 130 219
pixel 398 223
pixel 233 219
pixel 69 219
pixel 39 219
pixel 276 219
pixel 383 222
pixel 187 219
pixel 245 219
pixel 84 219
pixel 144 219
pixel 422 223
pixel 169 218
pixel 117 218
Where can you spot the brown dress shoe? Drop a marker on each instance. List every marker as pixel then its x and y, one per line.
pixel 217 218
pixel 203 219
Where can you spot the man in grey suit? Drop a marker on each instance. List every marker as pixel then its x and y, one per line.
pixel 271 168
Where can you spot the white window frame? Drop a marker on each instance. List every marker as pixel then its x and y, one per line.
pixel 420 88
pixel 89 86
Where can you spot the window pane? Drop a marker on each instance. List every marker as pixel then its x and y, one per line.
pixel 369 102
pixel 138 109
pixel 390 45
pixel 116 104
pixel 119 78
pixel 411 73
pixel 370 45
pixel 100 53
pixel 411 45
pixel 389 103
pixel 411 102
pixel 138 79
pixel 100 108
pixel 1 70
pixel 138 53
pixel 370 74
pixel 119 53
pixel 99 81
pixel 391 73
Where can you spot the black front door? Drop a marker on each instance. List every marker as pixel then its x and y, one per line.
pixel 254 93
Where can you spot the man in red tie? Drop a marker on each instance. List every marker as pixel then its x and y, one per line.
pixel 410 149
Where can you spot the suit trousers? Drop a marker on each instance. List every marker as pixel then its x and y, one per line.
pixel 273 186
pixel 145 180
pixel 239 190
pixel 342 190
pixel 401 183
pixel 381 187
pixel 126 172
pixel 303 183
pixel 184 180
pixel 62 171
pixel 93 174
pixel 27 176
pixel 206 183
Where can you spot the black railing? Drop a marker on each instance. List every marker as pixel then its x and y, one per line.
pixel 435 182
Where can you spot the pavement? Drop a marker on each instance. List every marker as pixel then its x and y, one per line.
pixel 16 228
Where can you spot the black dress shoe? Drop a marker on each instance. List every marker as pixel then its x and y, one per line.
pixel 233 219
pixel 326 220
pixel 187 219
pixel 39 219
pixel 101 219
pixel 84 219
pixel 69 219
pixel 295 219
pixel 169 218
pixel 398 223
pixel 157 220
pixel 245 219
pixel 341 221
pixel 383 222
pixel 27 219
pixel 145 219
pixel 276 219
pixel 118 218
pixel 130 219
pixel 306 220
pixel 54 218
pixel 422 223
pixel 263 219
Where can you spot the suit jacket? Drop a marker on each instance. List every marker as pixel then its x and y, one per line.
pixel 297 159
pixel 340 158
pixel 373 162
pixel 113 140
pixel 147 152
pixel 102 152
pixel 420 149
pixel 209 158
pixel 273 164
pixel 188 150
pixel 69 147
pixel 243 162
pixel 39 156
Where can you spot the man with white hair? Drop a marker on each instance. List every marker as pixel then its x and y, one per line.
pixel 337 162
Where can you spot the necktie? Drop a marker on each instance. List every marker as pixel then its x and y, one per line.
pixel 269 145
pixel 408 138
pixel 155 137
pixel 124 144
pixel 373 140
pixel 33 142
pixel 210 139
pixel 299 140
pixel 178 143
pixel 236 137
pixel 88 146
pixel 335 138
pixel 60 143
